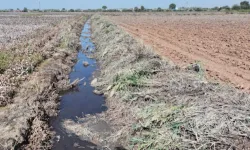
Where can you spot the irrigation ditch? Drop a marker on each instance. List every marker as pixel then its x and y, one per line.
pixel 79 101
pixel 121 95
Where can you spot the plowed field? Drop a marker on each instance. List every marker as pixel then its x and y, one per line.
pixel 221 43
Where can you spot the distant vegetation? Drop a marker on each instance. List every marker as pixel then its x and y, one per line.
pixel 142 8
pixel 25 9
pixel 243 6
pixel 172 6
pixel 236 7
pixel 104 7
pixel 63 10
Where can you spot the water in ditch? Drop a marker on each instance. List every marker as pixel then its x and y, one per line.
pixel 80 101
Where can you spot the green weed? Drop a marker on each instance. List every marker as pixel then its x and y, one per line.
pixel 124 81
pixel 106 31
pixel 5 60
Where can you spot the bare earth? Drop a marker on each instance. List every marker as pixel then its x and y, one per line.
pixel 220 42
pixel 13 28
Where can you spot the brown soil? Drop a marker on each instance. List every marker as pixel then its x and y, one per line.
pixel 220 42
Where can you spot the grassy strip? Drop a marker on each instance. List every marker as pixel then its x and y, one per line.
pixel 156 105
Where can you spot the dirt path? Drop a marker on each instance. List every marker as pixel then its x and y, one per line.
pixel 220 43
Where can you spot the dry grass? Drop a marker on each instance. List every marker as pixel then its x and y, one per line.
pixel 24 122
pixel 165 107
pixel 89 128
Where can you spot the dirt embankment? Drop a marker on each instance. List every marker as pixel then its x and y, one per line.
pixel 220 43
pixel 155 105
pixel 24 123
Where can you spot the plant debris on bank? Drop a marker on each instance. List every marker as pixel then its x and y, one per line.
pixel 156 105
pixel 31 82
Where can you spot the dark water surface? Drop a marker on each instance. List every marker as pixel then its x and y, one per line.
pixel 79 101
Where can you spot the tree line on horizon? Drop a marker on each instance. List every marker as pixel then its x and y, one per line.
pixel 244 5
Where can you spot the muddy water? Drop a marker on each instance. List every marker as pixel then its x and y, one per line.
pixel 79 101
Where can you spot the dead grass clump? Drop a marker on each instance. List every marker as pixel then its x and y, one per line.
pixel 165 107
pixel 89 128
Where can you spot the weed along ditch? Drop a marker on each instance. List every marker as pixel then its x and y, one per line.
pixel 80 100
